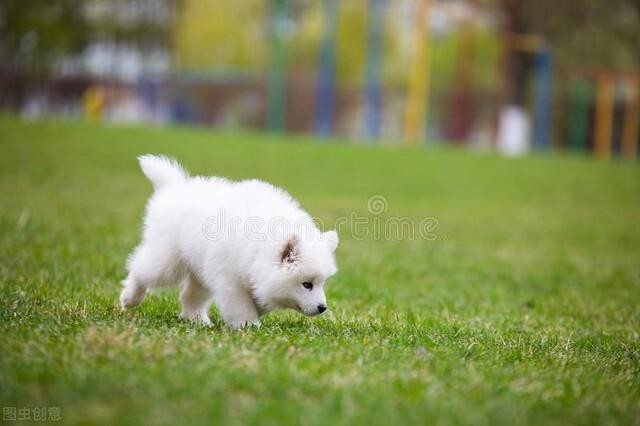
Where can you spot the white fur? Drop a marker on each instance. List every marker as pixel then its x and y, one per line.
pixel 247 246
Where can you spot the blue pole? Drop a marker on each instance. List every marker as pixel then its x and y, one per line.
pixel 276 84
pixel 542 111
pixel 373 67
pixel 327 70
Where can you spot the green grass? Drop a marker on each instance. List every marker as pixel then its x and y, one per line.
pixel 524 310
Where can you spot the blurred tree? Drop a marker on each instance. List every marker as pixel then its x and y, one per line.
pixel 585 38
pixel 34 34
pixel 594 35
pixel 352 40
pixel 221 33
pixel 304 40
pixel 352 31
pixel 140 23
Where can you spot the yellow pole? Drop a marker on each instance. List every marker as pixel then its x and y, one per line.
pixel 605 93
pixel 418 90
pixel 631 121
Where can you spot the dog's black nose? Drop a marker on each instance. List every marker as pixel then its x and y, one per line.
pixel 322 308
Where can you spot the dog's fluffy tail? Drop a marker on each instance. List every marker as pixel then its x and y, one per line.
pixel 162 171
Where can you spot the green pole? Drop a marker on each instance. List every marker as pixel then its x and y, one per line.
pixel 581 96
pixel 276 75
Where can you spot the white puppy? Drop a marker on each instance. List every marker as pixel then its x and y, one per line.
pixel 247 246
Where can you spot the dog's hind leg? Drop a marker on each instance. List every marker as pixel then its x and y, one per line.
pixel 132 293
pixel 148 268
pixel 195 300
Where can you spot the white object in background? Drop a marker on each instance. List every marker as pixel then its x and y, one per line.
pixel 128 110
pixel 35 107
pixel 513 131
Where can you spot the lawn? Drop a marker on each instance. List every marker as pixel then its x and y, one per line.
pixel 524 307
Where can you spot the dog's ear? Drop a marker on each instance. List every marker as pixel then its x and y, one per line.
pixel 331 237
pixel 289 253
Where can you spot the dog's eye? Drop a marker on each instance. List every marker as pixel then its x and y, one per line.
pixel 308 285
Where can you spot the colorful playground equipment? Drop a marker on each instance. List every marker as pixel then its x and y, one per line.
pixel 372 94
pixel 519 141
pixel 373 69
pixel 603 115
pixel 602 109
pixel 605 91
pixel 631 123
pixel 612 90
pixel 419 73
pixel 276 87
pixel 325 90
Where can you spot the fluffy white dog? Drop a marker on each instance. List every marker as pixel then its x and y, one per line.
pixel 248 246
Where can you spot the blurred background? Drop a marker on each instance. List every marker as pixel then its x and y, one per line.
pixel 489 74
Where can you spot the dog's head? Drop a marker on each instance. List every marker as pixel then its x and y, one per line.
pixel 303 267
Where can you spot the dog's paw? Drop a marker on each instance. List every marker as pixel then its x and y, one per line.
pixel 197 317
pixel 240 324
pixel 130 299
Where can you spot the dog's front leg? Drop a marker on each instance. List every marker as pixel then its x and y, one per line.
pixel 236 306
